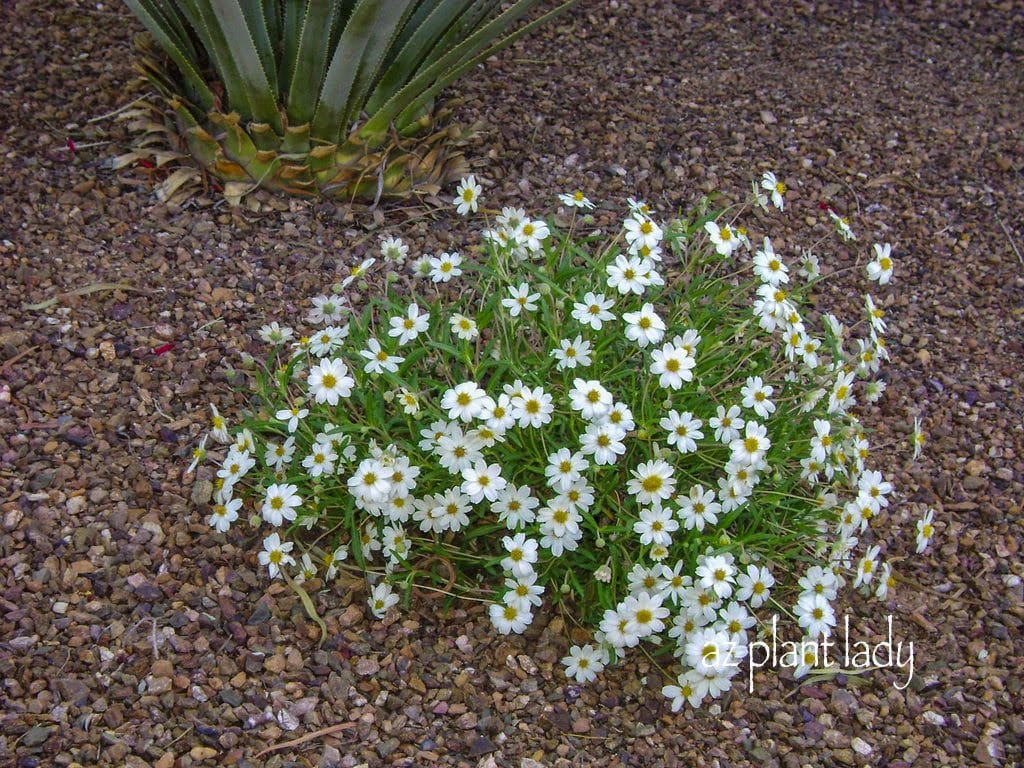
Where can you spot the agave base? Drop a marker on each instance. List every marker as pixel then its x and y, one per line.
pixel 248 157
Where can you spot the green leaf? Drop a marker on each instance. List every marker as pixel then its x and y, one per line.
pixel 307 70
pixel 376 52
pixel 371 23
pixel 234 41
pixel 292 16
pixel 429 82
pixel 257 22
pixel 307 603
pixel 413 51
pixel 170 39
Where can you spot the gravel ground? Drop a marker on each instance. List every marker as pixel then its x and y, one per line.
pixel 132 636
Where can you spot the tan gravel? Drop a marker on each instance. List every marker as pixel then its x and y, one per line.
pixel 132 636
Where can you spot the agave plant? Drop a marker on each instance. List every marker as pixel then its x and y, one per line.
pixel 329 97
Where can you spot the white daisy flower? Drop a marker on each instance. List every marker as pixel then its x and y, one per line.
pixel 925 530
pixel 515 506
pixel 275 554
pixel 583 663
pixel 483 481
pixel 775 188
pixel 628 274
pixel 465 401
pixel 754 586
pixel 655 526
pixel 590 398
pixel 223 514
pixel 683 430
pixel 576 200
pixel 724 238
pixel 464 327
pixel 393 249
pixel 521 554
pixel 329 380
pixel 603 441
pixel 292 416
pixel 444 267
pixel 410 325
pixel 564 468
pixel 378 360
pixel 756 394
pixel 727 423
pixel 593 310
pixel 672 365
pixel 280 503
pixel 880 269
pixel 652 482
pixel 509 618
pixel 572 353
pixel 382 598
pixel 532 407
pixel 467 196
pixel 644 327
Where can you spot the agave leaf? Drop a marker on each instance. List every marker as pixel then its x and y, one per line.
pixel 382 40
pixel 413 51
pixel 291 31
pixel 464 26
pixel 163 33
pixel 272 18
pixel 257 23
pixel 310 60
pixel 415 108
pixel 430 81
pixel 229 27
pixel 198 13
pixel 173 20
pixel 371 22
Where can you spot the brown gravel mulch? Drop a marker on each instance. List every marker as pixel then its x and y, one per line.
pixel 130 635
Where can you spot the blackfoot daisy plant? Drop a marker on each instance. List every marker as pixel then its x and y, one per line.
pixel 651 430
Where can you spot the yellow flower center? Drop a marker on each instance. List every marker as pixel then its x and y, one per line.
pixel 652 483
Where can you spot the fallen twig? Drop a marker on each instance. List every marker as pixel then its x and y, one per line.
pixel 307 737
pixel 1013 243
pixel 91 288
pixel 16 358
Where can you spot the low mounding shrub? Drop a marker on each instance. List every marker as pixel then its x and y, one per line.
pixel 650 428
